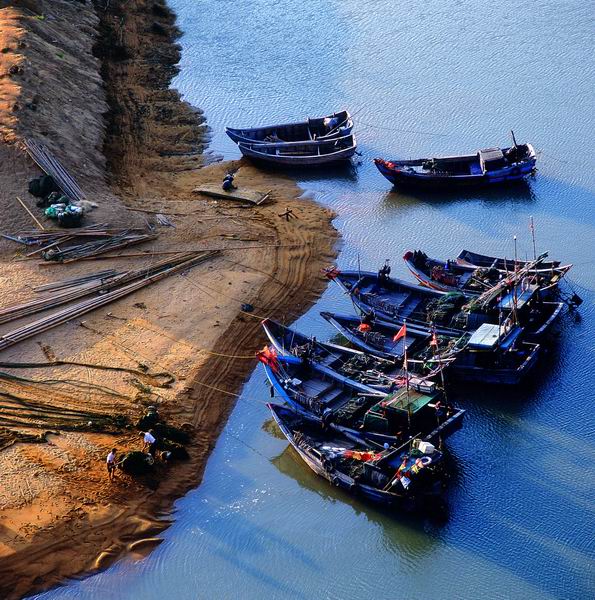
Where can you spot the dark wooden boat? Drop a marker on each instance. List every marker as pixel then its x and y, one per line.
pixel 360 412
pixel 338 124
pixel 319 152
pixel 450 313
pixel 485 167
pixel 489 355
pixel 450 276
pixel 466 258
pixel 393 476
pixel 383 374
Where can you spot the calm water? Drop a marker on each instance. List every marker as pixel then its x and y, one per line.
pixel 421 78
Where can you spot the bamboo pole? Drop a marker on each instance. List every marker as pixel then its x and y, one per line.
pixel 31 214
pixel 22 333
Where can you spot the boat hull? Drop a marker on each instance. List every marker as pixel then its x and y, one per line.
pixel 275 156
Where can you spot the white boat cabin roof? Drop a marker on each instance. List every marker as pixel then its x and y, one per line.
pixel 490 154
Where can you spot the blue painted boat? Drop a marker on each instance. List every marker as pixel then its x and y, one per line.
pixel 396 476
pixel 333 126
pixel 449 313
pixel 486 167
pixel 382 374
pixel 489 355
pixel 358 411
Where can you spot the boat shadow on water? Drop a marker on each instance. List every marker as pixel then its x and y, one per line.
pixel 519 192
pixel 345 171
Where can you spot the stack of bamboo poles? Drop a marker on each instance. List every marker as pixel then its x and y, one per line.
pixel 74 282
pixel 100 239
pixel 151 275
pixel 87 286
pixel 52 166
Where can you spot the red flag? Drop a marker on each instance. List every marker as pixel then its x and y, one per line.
pixel 401 333
pixel 434 341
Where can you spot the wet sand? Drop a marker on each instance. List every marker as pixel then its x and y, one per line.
pixel 93 85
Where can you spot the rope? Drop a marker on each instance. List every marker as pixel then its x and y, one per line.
pixel 403 130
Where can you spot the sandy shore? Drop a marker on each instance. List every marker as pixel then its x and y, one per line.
pixel 93 85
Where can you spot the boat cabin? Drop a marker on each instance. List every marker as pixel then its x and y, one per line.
pixel 491 159
pixel 393 414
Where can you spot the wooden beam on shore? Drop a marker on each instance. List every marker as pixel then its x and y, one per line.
pixel 253 197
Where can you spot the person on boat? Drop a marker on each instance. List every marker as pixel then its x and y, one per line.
pixel 330 123
pixel 111 463
pixel 384 271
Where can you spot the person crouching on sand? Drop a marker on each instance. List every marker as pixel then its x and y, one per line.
pixel 111 463
pixel 150 443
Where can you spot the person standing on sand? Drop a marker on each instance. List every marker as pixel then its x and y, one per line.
pixel 111 463
pixel 150 443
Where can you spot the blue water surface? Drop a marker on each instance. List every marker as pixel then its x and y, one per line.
pixel 421 78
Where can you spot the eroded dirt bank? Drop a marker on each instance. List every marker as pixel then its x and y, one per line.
pixel 91 81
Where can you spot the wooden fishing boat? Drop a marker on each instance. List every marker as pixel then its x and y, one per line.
pixel 450 276
pixel 466 258
pixel 319 152
pixel 485 167
pixel 338 124
pixel 489 355
pixel 450 313
pixel 394 476
pixel 384 374
pixel 358 411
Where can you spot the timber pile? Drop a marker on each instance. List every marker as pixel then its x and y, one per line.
pixel 102 282
pixel 50 165
pixel 100 239
pixel 165 269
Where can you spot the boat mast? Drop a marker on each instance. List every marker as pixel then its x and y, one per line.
pixel 407 378
pixel 514 297
pixel 532 228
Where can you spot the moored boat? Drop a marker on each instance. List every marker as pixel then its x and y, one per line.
pixel 392 476
pixel 336 125
pixel 491 354
pixel 473 259
pixel 358 411
pixel 319 152
pixel 485 167
pixel 450 313
pixel 379 373
pixel 449 275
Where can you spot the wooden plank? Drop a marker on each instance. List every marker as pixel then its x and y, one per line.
pixel 245 195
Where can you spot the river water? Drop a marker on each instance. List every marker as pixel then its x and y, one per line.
pixel 421 78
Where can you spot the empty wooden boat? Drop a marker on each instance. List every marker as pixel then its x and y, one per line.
pixel 319 152
pixel 467 258
pixel 338 124
pixel 485 167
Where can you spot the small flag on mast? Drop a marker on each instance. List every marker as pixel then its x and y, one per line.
pixel 401 333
